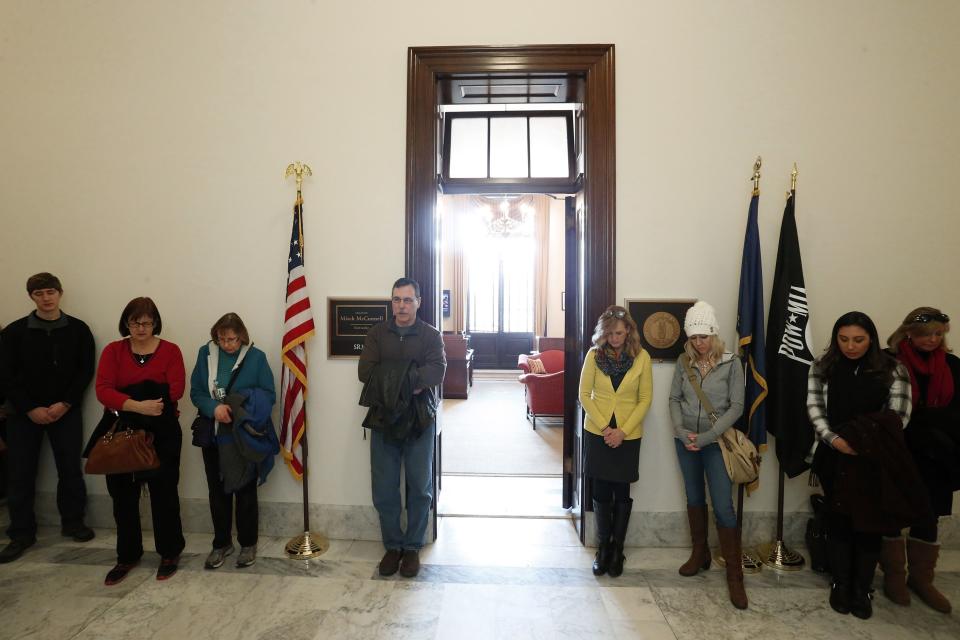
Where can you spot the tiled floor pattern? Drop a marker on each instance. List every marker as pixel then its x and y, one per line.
pixel 485 578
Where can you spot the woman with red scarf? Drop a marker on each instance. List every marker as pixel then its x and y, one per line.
pixel 933 437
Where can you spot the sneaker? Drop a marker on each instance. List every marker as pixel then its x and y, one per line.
pixel 168 567
pixel 118 573
pixel 410 563
pixel 390 562
pixel 247 557
pixel 215 558
pixel 15 549
pixel 79 532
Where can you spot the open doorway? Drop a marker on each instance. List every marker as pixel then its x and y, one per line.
pixel 502 271
pixel 589 226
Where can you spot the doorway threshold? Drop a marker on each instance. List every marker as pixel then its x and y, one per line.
pixel 494 496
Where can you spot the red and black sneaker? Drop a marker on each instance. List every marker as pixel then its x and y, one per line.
pixel 118 573
pixel 168 567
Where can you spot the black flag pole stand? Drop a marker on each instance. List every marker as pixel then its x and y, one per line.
pixel 776 554
pixel 308 545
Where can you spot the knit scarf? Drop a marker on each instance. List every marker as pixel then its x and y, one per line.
pixel 608 362
pixel 934 368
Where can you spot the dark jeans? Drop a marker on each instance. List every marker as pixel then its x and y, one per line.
pixel 24 439
pixel 221 505
pixel 125 489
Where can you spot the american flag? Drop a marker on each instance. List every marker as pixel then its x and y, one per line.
pixel 297 328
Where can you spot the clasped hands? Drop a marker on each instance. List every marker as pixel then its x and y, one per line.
pixel 612 436
pixel 691 443
pixel 48 415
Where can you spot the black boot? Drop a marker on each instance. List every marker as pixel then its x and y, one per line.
pixel 864 568
pixel 621 518
pixel 603 512
pixel 841 565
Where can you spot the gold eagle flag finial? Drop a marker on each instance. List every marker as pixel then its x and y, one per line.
pixel 298 169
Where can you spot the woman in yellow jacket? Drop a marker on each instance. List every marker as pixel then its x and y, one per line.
pixel 616 386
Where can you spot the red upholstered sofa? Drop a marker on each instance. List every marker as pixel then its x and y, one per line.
pixel 544 391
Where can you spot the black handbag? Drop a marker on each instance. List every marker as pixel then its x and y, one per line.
pixel 204 434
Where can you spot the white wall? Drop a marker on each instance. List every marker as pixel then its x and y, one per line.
pixel 556 268
pixel 144 145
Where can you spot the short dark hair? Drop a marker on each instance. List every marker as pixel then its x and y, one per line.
pixel 407 282
pixel 230 322
pixel 43 281
pixel 137 308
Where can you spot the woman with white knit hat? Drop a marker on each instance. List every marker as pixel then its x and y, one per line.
pixel 719 374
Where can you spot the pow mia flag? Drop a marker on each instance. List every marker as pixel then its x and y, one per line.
pixel 789 352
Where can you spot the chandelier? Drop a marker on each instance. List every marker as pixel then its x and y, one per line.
pixel 507 216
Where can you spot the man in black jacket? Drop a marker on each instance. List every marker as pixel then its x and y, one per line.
pixel 46 362
pixel 404 339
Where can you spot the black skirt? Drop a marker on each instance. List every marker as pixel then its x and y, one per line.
pixel 606 463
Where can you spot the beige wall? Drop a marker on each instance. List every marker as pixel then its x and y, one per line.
pixel 143 146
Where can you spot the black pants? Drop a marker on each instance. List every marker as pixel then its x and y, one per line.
pixel 606 491
pixel 24 439
pixel 125 489
pixel 221 505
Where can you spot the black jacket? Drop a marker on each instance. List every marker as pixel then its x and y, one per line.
pixel 42 363
pixel 880 487
pixel 385 355
pixel 389 394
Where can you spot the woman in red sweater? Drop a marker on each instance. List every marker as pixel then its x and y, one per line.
pixel 141 377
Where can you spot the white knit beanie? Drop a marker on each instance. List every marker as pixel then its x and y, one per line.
pixel 701 320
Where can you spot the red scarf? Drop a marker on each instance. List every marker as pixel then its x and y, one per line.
pixel 940 385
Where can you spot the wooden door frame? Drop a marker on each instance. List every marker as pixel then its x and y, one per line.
pixel 594 63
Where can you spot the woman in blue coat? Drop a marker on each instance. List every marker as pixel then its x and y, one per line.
pixel 228 364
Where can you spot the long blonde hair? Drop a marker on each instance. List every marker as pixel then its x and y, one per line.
pixel 717 347
pixel 608 320
pixel 910 325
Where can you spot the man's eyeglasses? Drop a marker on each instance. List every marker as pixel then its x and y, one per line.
pixel 924 318
pixel 397 300
pixel 620 313
pixel 132 324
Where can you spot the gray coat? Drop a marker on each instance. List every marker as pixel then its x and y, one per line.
pixel 723 386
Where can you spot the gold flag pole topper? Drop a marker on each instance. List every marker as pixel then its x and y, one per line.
pixel 756 176
pixel 299 170
pixel 308 545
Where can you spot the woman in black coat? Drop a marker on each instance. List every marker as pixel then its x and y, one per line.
pixel 853 380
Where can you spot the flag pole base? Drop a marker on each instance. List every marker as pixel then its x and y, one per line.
pixel 777 555
pixel 749 560
pixel 309 545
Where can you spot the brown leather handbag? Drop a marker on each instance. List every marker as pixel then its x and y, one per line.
pixel 122 450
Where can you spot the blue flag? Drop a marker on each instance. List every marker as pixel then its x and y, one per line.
pixel 752 346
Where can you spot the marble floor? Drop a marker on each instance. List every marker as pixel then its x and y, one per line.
pixel 486 578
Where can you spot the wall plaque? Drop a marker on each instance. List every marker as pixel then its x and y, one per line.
pixel 661 325
pixel 349 320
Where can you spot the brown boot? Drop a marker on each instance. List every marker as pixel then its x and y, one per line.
pixel 922 559
pixel 730 548
pixel 700 555
pixel 893 559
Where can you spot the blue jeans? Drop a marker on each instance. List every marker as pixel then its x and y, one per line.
pixel 416 454
pixel 694 465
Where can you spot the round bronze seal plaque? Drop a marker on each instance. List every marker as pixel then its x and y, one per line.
pixel 661 330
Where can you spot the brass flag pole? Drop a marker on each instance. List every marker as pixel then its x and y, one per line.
pixel 749 561
pixel 308 545
pixel 776 554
